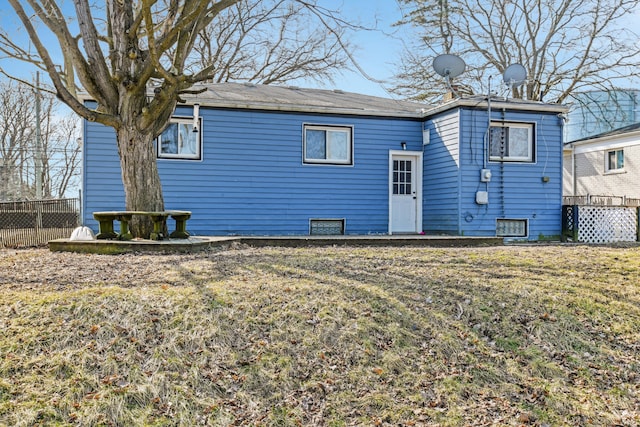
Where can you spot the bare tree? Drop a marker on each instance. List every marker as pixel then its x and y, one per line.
pixel 16 132
pixel 269 42
pixel 115 54
pixel 564 45
pixel 59 150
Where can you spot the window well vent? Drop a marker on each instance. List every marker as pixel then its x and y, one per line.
pixel 511 227
pixel 326 227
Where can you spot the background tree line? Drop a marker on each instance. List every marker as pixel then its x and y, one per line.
pixel 566 46
pixel 59 151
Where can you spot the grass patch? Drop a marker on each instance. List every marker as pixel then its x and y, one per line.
pixel 322 336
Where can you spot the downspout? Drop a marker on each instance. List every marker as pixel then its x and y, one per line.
pixel 574 171
pixel 459 172
pixel 574 184
pixel 485 153
pixel 502 184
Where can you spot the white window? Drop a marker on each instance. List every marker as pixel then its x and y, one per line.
pixel 328 144
pixel 615 160
pixel 511 142
pixel 180 141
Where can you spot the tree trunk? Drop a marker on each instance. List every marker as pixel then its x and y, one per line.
pixel 142 187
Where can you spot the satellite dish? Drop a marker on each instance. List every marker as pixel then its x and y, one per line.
pixel 449 66
pixel 515 75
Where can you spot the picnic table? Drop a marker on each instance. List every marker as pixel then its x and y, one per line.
pixel 158 218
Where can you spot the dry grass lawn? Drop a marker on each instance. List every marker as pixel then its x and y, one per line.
pixel 507 336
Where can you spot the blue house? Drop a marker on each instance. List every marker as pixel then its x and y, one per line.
pixel 267 160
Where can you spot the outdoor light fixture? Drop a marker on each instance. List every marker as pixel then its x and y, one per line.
pixel 196 116
pixel 403 145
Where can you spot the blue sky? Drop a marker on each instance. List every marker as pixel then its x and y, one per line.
pixel 376 51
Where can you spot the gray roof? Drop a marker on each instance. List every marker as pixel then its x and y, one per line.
pixel 620 131
pixel 294 99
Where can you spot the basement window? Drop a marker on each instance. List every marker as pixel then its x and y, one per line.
pixel 326 227
pixel 512 227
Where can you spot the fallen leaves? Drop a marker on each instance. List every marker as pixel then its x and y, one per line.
pixel 322 336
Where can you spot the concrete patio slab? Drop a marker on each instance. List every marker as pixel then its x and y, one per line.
pixel 199 243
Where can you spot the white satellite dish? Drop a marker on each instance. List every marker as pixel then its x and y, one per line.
pixel 515 75
pixel 449 66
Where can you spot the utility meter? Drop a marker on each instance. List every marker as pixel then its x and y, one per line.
pixel 485 175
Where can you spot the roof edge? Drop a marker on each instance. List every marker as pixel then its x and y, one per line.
pixel 497 103
pixel 301 108
pixel 349 103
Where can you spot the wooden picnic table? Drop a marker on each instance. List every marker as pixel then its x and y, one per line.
pixel 158 218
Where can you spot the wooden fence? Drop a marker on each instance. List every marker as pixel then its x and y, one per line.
pixel 35 223
pixel 595 200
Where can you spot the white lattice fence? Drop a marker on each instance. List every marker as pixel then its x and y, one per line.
pixel 604 224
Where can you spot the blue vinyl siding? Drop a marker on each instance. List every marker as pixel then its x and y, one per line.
pixel 441 201
pixel 516 189
pixel 251 180
pixel 102 182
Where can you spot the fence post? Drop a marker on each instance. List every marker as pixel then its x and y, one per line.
pixel 576 222
pixel 638 224
pixel 38 224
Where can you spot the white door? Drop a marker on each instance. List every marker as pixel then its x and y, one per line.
pixel 405 193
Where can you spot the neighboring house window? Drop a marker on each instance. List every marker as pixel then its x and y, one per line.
pixel 328 144
pixel 179 141
pixel 615 160
pixel 511 142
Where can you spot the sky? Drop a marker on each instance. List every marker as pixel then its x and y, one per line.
pixel 376 51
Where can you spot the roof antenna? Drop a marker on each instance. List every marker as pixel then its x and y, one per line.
pixel 449 66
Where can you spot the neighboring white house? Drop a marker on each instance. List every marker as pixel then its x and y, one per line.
pixel 607 164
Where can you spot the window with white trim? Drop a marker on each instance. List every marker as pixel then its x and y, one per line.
pixel 615 160
pixel 328 144
pixel 511 142
pixel 179 140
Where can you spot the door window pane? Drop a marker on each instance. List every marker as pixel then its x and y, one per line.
pixel 402 177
